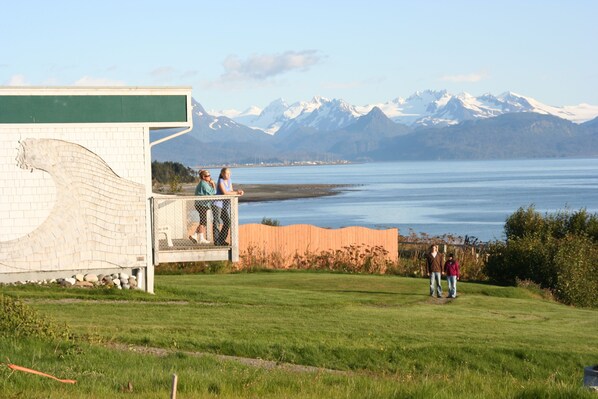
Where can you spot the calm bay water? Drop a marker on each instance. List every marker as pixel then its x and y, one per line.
pixel 437 197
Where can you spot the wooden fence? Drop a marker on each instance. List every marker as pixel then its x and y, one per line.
pixel 287 241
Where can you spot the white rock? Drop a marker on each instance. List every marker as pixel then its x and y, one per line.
pixel 92 278
pixel 70 280
pixel 124 276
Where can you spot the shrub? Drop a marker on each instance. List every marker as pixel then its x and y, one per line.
pixel 526 258
pixel 195 267
pixel 255 258
pixel 577 271
pixel 270 222
pixel 19 320
pixel 557 252
pixel 524 222
pixel 350 259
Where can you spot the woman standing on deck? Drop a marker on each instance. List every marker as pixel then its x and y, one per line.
pixel 225 187
pixel 206 186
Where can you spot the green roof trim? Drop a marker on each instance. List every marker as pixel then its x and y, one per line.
pixel 93 109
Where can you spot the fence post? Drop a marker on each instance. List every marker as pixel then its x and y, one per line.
pixel 174 384
pixel 234 229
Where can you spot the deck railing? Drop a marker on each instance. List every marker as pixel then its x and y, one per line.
pixel 175 220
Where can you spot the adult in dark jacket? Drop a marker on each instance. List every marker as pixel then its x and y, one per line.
pixel 434 263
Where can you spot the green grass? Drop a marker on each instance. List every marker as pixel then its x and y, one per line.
pixel 383 333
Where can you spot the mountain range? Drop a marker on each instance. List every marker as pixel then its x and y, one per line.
pixel 426 125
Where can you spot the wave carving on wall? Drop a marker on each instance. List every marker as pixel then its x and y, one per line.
pixel 98 220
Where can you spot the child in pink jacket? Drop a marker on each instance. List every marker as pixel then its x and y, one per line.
pixel 451 268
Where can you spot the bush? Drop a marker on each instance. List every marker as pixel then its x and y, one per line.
pixel 19 320
pixel 349 259
pixel 557 252
pixel 270 222
pixel 577 271
pixel 524 222
pixel 166 172
pixel 214 267
pixel 526 258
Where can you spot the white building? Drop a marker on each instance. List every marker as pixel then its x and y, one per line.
pixel 75 178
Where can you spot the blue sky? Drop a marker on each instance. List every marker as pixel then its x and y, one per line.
pixel 236 54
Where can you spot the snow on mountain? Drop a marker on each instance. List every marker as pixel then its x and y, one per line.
pixel 577 113
pixel 423 108
pixel 323 114
pixel 201 117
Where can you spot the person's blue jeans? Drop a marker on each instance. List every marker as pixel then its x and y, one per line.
pixel 452 286
pixel 435 278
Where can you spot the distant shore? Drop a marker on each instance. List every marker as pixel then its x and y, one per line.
pixel 280 192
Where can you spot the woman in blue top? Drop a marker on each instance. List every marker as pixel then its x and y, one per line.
pixel 225 187
pixel 205 187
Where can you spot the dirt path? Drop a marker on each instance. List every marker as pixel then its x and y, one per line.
pixel 259 363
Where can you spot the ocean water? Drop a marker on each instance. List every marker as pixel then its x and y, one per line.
pixel 435 197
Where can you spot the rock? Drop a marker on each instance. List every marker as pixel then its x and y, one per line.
pixel 67 282
pixel 132 282
pixel 126 286
pixel 107 280
pixel 124 276
pixel 85 284
pixel 79 277
pixel 92 278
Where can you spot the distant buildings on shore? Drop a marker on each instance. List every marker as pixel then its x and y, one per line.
pixel 270 164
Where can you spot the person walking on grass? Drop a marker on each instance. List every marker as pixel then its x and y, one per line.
pixel 434 263
pixel 451 268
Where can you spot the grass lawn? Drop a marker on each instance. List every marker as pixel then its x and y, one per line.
pixel 368 336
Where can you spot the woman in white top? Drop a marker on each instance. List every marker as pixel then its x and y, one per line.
pixel 225 187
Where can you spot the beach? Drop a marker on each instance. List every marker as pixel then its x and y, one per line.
pixel 279 192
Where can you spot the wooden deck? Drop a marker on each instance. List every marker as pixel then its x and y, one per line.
pixel 186 251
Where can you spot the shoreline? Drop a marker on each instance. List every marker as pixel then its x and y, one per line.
pixel 280 192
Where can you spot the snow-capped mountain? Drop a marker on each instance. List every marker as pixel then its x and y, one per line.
pixel 322 114
pixel 502 127
pixel 425 108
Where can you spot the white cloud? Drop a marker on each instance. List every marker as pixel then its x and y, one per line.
pixel 469 78
pixel 261 67
pixel 165 72
pixel 17 80
pixel 91 81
